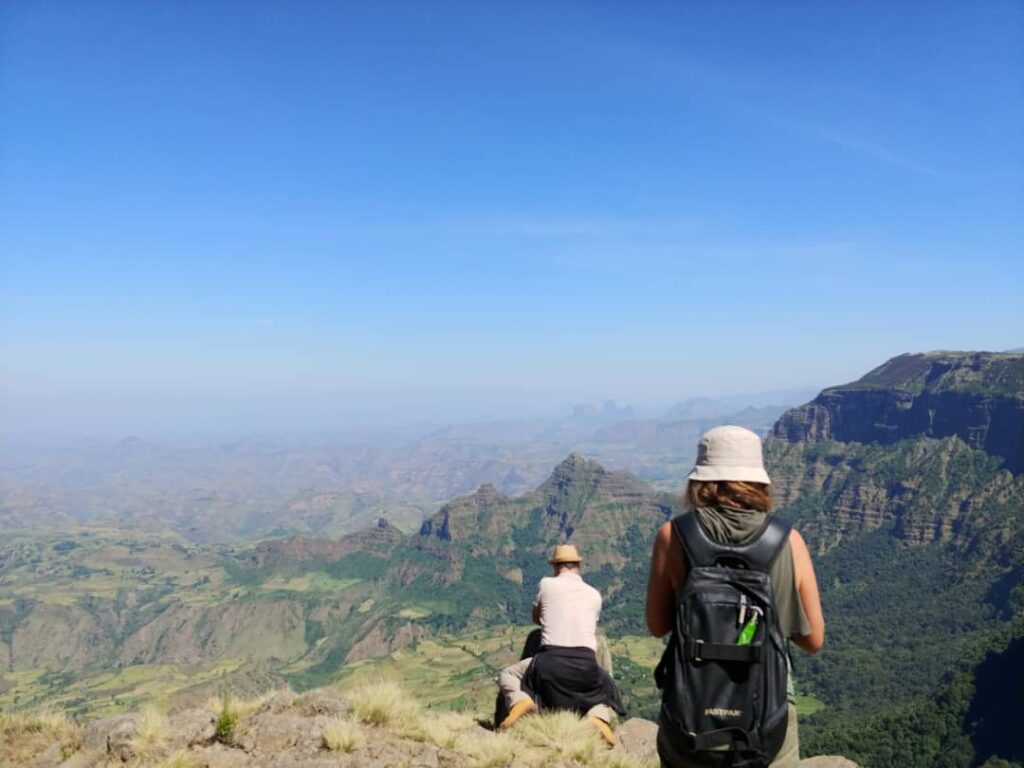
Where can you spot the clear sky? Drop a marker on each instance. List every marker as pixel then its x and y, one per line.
pixel 258 214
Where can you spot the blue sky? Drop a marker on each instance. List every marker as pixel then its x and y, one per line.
pixel 268 214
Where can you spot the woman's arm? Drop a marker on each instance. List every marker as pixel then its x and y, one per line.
pixel 807 587
pixel 668 567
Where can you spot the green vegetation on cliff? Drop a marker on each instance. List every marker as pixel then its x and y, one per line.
pixel 918 539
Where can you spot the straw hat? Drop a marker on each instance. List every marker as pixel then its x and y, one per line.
pixel 565 553
pixel 729 453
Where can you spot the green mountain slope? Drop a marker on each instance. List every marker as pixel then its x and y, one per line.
pixel 917 532
pixel 907 485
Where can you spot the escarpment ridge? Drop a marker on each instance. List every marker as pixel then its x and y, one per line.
pixel 975 396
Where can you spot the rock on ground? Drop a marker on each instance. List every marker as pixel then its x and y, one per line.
pixel 113 736
pixel 638 738
pixel 192 726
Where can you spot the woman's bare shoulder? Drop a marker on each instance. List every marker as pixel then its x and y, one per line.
pixel 796 541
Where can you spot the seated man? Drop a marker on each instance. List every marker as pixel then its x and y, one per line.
pixel 564 673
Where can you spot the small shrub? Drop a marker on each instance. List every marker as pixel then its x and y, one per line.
pixel 227 720
pixel 342 736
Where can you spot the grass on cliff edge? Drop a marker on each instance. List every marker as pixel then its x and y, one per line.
pixel 25 735
pixel 382 716
pixel 540 740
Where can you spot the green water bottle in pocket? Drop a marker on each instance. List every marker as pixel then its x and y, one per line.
pixel 749 628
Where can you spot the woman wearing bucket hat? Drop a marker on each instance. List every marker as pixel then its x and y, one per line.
pixel 729 495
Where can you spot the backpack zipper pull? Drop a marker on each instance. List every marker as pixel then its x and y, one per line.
pixel 743 610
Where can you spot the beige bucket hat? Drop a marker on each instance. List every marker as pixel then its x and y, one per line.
pixel 565 553
pixel 730 453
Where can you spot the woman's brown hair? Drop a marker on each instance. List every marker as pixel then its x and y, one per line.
pixel 729 493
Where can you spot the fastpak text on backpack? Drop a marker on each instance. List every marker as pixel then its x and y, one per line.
pixel 723 673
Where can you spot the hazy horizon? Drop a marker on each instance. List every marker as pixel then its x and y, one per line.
pixel 389 417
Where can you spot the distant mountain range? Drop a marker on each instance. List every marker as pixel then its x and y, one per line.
pixel 917 526
pixel 250 490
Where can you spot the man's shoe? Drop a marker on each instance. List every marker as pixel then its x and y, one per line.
pixel 520 708
pixel 603 729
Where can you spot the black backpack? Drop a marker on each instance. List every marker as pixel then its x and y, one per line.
pixel 723 674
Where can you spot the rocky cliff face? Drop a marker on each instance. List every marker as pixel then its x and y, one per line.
pixel 975 396
pixel 926 490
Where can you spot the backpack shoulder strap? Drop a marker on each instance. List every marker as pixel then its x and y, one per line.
pixel 763 550
pixel 759 553
pixel 701 551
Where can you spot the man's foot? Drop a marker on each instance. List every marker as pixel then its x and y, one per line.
pixel 604 729
pixel 520 708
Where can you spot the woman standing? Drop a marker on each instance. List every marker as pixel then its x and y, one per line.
pixel 729 493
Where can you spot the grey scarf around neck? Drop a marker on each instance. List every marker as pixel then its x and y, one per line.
pixel 728 525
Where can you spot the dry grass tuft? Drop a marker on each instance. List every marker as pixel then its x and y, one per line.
pixel 495 751
pixel 152 733
pixel 563 735
pixel 26 734
pixel 245 707
pixel 342 735
pixel 613 760
pixel 240 707
pixel 543 741
pixel 385 704
pixel 180 759
pixel 554 738
pixel 213 704
pixel 446 729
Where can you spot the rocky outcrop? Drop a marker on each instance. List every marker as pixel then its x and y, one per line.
pixel 321 729
pixel 639 738
pixel 580 502
pixel 465 515
pixel 976 396
pixel 114 736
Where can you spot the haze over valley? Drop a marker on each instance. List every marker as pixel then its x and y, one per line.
pixel 905 483
pixel 242 489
